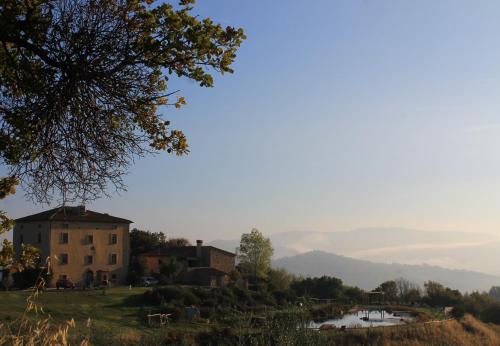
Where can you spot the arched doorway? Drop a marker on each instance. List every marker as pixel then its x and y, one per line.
pixel 89 278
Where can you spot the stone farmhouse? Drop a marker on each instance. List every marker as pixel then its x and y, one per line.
pixel 87 247
pixel 201 265
pixel 91 248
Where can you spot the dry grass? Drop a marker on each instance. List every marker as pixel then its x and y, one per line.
pixel 467 331
pixel 34 326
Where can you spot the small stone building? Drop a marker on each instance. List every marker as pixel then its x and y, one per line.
pixel 87 247
pixel 202 265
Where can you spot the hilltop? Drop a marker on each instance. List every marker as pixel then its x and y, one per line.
pixel 368 275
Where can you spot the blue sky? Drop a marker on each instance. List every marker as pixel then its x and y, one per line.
pixel 341 114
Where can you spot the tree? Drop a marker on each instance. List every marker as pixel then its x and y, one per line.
pixel 494 292
pixel 145 241
pixel 413 295
pixel 82 83
pixel 438 295
pixel 325 287
pixel 135 270
pixel 177 242
pixel 280 279
pixel 405 289
pixel 390 290
pixel 255 254
pixel 170 270
pixel 353 294
pixel 28 258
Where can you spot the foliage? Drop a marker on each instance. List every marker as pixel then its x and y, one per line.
pixel 177 242
pixel 81 83
pixel 216 301
pixel 494 292
pixel 135 271
pixel 280 279
pixel 145 241
pixel 324 287
pixel 438 295
pixel 407 290
pixel 390 290
pixel 30 277
pixel 28 257
pixel 353 294
pixel 171 269
pixel 255 254
pixel 7 254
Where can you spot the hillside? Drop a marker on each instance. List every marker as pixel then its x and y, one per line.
pixel 369 275
pixel 454 250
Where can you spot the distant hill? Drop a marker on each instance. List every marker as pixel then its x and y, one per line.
pixel 455 250
pixel 368 275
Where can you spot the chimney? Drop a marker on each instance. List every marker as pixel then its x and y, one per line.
pixel 199 244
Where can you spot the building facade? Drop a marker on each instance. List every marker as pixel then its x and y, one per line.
pixel 87 247
pixel 202 265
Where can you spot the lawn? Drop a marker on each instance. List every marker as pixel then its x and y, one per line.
pixel 115 313
pixel 117 318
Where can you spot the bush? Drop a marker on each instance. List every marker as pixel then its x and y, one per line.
pixel 491 314
pixel 458 312
pixel 171 294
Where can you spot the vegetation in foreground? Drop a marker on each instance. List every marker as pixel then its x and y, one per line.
pixel 114 317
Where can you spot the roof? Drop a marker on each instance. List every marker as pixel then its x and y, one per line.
pixel 178 251
pixel 79 214
pixel 183 251
pixel 220 250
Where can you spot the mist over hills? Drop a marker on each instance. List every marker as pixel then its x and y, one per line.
pixel 368 275
pixel 452 250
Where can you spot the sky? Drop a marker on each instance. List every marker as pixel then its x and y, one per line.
pixel 340 115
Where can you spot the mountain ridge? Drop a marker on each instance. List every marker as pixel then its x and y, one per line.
pixel 368 275
pixel 449 249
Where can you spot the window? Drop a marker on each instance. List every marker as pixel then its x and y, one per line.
pixel 21 239
pixel 65 225
pixel 90 239
pixel 39 239
pixel 63 238
pixel 113 238
pixel 112 258
pixel 89 259
pixel 114 227
pixel 63 258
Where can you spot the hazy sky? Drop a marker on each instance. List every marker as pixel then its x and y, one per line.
pixel 341 114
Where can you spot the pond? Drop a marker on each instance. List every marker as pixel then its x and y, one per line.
pixel 360 320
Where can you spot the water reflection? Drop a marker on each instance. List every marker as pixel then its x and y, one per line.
pixel 361 319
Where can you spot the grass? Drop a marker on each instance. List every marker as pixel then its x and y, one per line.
pixel 467 331
pixel 115 314
pixel 117 319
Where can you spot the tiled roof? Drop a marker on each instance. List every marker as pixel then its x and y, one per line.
pixel 184 251
pixel 79 214
pixel 178 251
